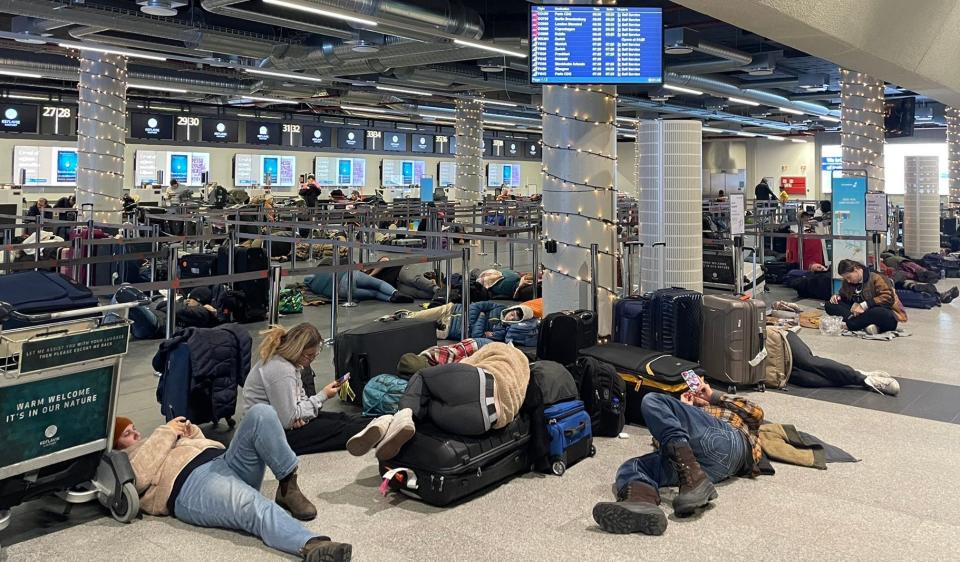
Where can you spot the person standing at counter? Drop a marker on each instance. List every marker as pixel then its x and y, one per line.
pixel 311 191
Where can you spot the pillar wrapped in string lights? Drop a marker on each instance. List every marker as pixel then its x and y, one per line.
pixel 579 196
pixel 953 152
pixel 921 205
pixel 469 158
pixel 101 133
pixel 861 125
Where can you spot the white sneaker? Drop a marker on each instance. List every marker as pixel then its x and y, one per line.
pixel 882 382
pixel 367 439
pixel 872 329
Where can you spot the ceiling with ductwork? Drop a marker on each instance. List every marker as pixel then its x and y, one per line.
pixel 401 60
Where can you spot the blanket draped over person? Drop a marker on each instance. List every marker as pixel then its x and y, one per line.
pixel 511 373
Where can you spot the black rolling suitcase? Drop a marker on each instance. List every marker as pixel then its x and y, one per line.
pixel 776 272
pixel 440 468
pixel 256 292
pixel 677 319
pixel 563 333
pixel 643 371
pixel 375 349
pixel 197 266
pixel 36 292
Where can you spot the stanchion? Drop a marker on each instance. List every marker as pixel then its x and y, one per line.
pixel 496 252
pixel 465 294
pixel 334 302
pixel 626 269
pixel 7 241
pixel 171 292
pixel 738 263
pixel 350 237
pixel 594 282
pixel 510 262
pixel 275 276
pixel 36 253
pixel 535 267
pixel 231 254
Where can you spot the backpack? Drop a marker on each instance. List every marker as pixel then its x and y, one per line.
pixel 603 393
pixel 779 359
pixel 381 395
pixel 291 301
pixel 524 334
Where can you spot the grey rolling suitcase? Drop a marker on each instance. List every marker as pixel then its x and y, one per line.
pixel 732 343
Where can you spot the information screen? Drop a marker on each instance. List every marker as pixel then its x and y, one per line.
pixel 447 174
pixel 350 139
pixel 596 45
pixel 151 126
pixel 499 174
pixel 257 169
pixel 220 130
pixel 395 142
pixel 316 136
pixel 400 173
pixel 340 172
pixel 263 133
pixel 17 118
pixel 422 143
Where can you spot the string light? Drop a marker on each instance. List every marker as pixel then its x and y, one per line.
pixel 469 153
pixel 861 128
pixel 953 152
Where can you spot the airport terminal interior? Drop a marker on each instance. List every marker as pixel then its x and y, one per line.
pixel 456 280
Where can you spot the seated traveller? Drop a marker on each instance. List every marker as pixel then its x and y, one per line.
pixel 276 380
pixel 365 287
pixel 865 301
pixel 701 439
pixel 181 473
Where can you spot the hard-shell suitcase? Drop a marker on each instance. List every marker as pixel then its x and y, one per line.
pixel 734 331
pixel 571 435
pixel 632 320
pixel 676 322
pixel 375 349
pixel 196 266
pixel 563 333
pixel 643 371
pixel 35 292
pixel 440 468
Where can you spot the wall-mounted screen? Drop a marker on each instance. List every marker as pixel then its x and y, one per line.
pixel 596 45
pixel 45 165
pixel 532 150
pixel 263 133
pixel 350 139
pixel 499 174
pixel 421 143
pixel 399 173
pixel 395 142
pixel 185 167
pixel 264 169
pixel 512 148
pixel 447 174
pixel 151 126
pixel 220 130
pixel 18 118
pixel 316 136
pixel 898 117
pixel 340 172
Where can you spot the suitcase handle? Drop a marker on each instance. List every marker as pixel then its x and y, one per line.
pixel 579 429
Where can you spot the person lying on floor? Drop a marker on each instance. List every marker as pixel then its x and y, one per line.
pixel 365 287
pixel 810 371
pixel 487 319
pixel 276 380
pixel 181 473
pixel 944 297
pixel 450 398
pixel 407 280
pixel 866 300
pixel 701 439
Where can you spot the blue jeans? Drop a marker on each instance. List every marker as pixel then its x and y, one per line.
pixel 367 288
pixel 720 449
pixel 225 492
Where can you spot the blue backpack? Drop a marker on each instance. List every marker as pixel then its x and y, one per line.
pixel 381 395
pixel 524 334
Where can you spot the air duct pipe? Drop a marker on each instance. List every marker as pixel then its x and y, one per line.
pixel 725 89
pixel 226 8
pixel 429 19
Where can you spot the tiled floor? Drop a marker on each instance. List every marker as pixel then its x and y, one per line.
pixel 899 503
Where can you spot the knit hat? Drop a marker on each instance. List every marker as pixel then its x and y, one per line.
pixel 120 424
pixel 203 295
pixel 410 364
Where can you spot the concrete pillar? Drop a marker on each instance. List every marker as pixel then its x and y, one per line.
pixel 579 196
pixel 670 195
pixel 953 152
pixel 861 126
pixel 101 133
pixel 921 205
pixel 469 127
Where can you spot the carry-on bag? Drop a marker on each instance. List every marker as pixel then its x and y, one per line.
pixel 375 349
pixel 732 346
pixel 632 320
pixel 35 292
pixel 382 394
pixel 563 333
pixel 440 468
pixel 197 266
pixel 676 322
pixel 571 436
pixel 255 291
pixel 643 371
pixel 915 299
pixel 604 395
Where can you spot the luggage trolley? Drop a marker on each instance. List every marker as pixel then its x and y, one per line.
pixel 58 394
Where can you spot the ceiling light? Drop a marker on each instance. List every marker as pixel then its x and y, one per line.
pixel 20 74
pixel 164 8
pixel 488 47
pixel 403 90
pixel 713 130
pixel 157 88
pixel 364 46
pixel 684 90
pixel 111 51
pixel 775 137
pixel 161 108
pixel 503 123
pixel 828 118
pixel 288 75
pixel 800 141
pixel 258 116
pixel 743 101
pixel 320 12
pixel 24 97
pixel 628 120
pixel 497 102
pixel 379 116
pixel 359 108
pixel 746 134
pixel 678 50
pixel 791 111
pixel 269 100
pixel 407 128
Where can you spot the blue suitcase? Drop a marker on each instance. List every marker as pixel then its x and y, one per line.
pixel 913 299
pixel 633 321
pixel 677 319
pixel 571 435
pixel 36 292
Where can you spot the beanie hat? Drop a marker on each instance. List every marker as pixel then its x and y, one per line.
pixel 120 424
pixel 410 364
pixel 203 295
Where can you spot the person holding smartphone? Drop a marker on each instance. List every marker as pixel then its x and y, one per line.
pixel 702 438
pixel 865 301
pixel 180 472
pixel 276 380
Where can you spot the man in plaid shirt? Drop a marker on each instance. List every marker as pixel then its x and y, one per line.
pixel 704 437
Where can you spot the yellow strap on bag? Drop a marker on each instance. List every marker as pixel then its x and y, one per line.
pixel 639 382
pixel 346 393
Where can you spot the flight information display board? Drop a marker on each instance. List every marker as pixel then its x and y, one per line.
pixel 596 45
pixel 447 174
pixel 401 173
pixel 503 174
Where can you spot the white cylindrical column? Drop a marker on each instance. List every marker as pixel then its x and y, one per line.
pixel 953 152
pixel 921 205
pixel 670 195
pixel 579 196
pixel 469 158
pixel 101 133
pixel 861 126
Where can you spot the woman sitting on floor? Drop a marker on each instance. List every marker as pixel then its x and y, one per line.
pixel 275 380
pixel 865 302
pixel 181 473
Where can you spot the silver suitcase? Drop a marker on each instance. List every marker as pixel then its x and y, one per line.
pixel 732 342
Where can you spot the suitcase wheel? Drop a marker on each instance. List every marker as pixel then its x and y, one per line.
pixel 732 389
pixel 761 387
pixel 593 450
pixel 559 468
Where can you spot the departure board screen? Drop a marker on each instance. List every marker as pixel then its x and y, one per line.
pixel 596 45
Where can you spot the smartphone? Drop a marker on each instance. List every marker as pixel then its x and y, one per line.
pixel 344 378
pixel 692 379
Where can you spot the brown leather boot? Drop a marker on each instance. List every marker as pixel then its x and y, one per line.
pixel 696 489
pixel 322 549
pixel 290 497
pixel 636 511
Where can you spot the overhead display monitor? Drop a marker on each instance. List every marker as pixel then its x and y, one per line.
pixel 512 148
pixel 263 133
pixel 447 174
pixel 532 150
pixel 18 118
pixel 898 117
pixel 401 173
pixel 395 142
pixel 596 45
pixel 151 126
pixel 54 166
pixel 220 130
pixel 317 137
pixel 325 170
pixel 421 143
pixel 350 139
pixel 499 174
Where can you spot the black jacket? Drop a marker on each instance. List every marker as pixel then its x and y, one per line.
pixel 763 192
pixel 310 193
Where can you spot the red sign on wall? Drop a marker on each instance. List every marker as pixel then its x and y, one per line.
pixel 795 185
